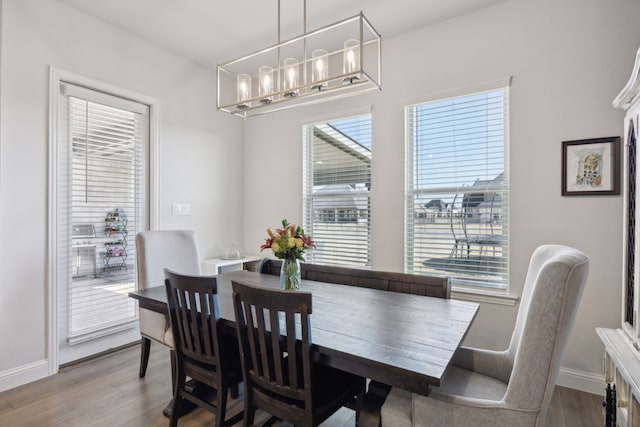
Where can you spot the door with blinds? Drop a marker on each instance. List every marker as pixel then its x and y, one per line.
pixel 102 152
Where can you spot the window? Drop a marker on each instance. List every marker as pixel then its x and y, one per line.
pixel 456 211
pixel 337 188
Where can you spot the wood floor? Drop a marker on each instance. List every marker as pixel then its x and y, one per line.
pixel 107 392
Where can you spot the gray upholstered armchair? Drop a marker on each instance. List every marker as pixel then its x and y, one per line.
pixel 512 387
pixel 156 250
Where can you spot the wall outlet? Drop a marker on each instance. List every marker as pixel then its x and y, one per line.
pixel 180 209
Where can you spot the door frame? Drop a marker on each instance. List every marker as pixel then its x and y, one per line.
pixel 56 76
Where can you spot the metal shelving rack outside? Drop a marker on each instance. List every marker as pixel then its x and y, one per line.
pixel 116 251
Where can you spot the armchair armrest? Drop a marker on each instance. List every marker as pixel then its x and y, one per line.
pixel 493 363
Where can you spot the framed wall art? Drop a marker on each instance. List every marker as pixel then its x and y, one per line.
pixel 591 167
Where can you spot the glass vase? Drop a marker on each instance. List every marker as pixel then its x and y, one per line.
pixel 290 274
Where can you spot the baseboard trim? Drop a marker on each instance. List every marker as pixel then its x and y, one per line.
pixel 570 378
pixel 24 374
pixel 100 354
pixel 580 380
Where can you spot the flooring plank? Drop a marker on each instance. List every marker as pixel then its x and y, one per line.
pixel 555 416
pixel 581 409
pixel 107 392
pixel 5 408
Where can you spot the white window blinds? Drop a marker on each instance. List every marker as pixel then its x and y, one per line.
pixel 337 187
pixel 456 212
pixel 105 143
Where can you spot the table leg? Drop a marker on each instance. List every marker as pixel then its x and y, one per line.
pixel 192 386
pixel 373 401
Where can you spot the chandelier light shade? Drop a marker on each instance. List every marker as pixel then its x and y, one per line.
pixel 265 83
pixel 291 77
pixel 319 69
pixel 244 91
pixel 335 61
pixel 351 59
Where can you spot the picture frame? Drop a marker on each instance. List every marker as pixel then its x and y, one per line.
pixel 591 167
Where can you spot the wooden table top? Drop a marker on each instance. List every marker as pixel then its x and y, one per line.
pixel 402 340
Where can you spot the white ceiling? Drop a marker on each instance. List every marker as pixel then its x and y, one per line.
pixel 211 32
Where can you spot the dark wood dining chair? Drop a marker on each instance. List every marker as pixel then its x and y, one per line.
pixel 202 352
pixel 280 377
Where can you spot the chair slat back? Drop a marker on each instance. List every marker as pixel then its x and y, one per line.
pixel 274 334
pixel 194 315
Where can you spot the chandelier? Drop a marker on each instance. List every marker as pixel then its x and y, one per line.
pixel 339 60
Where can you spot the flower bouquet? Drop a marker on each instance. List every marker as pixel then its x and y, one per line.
pixel 289 244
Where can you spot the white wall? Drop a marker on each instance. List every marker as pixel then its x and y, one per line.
pixel 200 151
pixel 568 59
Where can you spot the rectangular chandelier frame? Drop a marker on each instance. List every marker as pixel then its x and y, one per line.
pixel 348 52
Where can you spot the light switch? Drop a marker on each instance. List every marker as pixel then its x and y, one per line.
pixel 180 209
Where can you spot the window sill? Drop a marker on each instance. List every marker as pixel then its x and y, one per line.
pixel 474 295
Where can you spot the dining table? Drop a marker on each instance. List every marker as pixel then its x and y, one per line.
pixel 396 339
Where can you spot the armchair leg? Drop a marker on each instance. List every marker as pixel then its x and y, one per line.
pixel 235 391
pixel 144 355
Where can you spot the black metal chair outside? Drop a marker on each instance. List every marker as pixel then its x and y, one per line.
pixel 462 237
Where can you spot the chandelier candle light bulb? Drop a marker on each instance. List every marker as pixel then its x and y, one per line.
pixel 265 89
pixel 244 91
pixel 320 68
pixel 291 73
pixel 351 59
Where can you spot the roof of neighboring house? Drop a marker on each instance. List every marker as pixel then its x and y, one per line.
pixel 472 200
pixel 340 196
pixel 435 203
pixel 339 159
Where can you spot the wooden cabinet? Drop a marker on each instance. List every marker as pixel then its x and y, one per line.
pixel 622 357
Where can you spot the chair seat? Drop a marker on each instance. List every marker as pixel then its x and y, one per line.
pixel 203 372
pixel 462 382
pixel 331 386
pixel 484 239
pixel 398 407
pixel 155 326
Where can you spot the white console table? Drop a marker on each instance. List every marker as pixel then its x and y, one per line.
pixel 622 369
pixel 214 266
